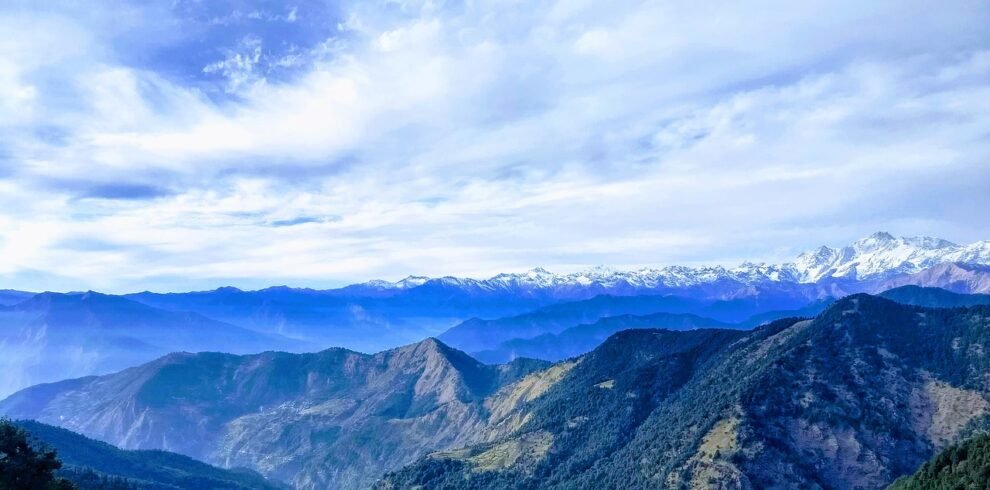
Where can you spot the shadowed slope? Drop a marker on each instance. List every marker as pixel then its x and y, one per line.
pixel 336 418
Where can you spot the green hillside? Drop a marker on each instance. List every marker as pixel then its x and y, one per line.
pixel 963 466
pixel 91 464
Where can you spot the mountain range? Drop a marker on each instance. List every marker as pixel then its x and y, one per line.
pixel 863 393
pixel 490 318
pixel 854 398
pixel 52 336
pixel 874 258
pixel 333 419
pixel 583 338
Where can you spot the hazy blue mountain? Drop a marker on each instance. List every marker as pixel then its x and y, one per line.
pixel 334 419
pixel 478 335
pixel 53 336
pixel 583 338
pixel 580 339
pixel 862 394
pixel 810 310
pixel 355 317
pixel 86 461
pixel 934 297
pixel 12 297
pixel 380 314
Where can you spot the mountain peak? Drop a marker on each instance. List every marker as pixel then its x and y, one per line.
pixel 882 256
pixel 426 348
pixel 412 281
pixel 875 241
pixel 881 236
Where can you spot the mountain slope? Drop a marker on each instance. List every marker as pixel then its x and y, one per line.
pixel 860 395
pixel 966 465
pixel 356 317
pixel 12 297
pixel 958 277
pixel 145 470
pixel 53 336
pixel 934 297
pixel 477 334
pixel 578 340
pixel 877 257
pixel 334 419
pixel 881 255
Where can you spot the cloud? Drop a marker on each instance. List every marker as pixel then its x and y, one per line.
pixel 469 138
pixel 125 191
pixel 303 220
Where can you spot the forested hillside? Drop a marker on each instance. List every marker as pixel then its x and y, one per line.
pixel 860 395
pixel 962 466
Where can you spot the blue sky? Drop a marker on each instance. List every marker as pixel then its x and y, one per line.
pixel 177 144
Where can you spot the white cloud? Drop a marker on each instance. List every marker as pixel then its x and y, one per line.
pixel 498 135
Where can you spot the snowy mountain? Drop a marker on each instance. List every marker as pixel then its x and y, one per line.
pixel 881 256
pixel 877 257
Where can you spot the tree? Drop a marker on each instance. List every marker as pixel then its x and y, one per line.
pixel 26 466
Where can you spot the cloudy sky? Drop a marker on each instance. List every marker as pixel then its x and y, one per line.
pixel 183 144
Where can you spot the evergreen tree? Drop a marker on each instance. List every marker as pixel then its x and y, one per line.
pixel 24 466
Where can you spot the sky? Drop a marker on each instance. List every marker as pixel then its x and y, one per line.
pixel 185 144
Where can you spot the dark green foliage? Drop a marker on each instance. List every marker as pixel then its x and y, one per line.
pixel 87 479
pixel 25 464
pixel 964 466
pixel 91 464
pixel 853 372
pixel 934 297
pixel 590 423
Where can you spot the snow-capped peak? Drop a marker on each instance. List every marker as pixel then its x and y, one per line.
pixel 876 241
pixel 412 281
pixel 878 256
pixel 882 255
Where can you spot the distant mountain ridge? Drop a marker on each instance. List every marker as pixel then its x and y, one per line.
pixel 876 257
pixel 49 336
pixel 872 259
pixel 473 315
pixel 12 297
pixel 583 338
pixel 504 334
pixel 934 297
